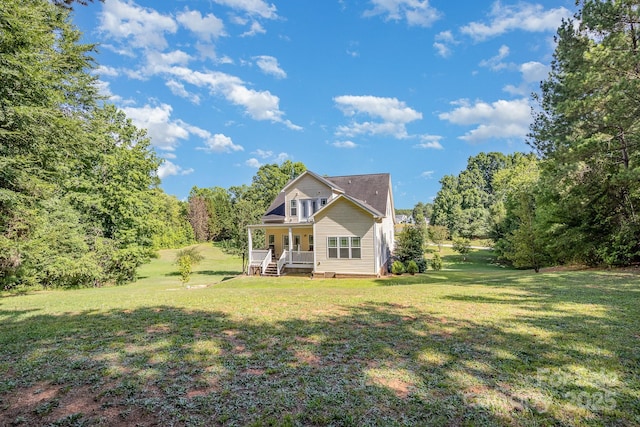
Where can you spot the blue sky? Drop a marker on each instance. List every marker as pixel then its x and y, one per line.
pixel 409 87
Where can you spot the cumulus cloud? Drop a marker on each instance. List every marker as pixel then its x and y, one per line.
pixel 259 105
pixel 443 42
pixel 104 70
pixel 521 16
pixel 256 28
pixel 257 8
pixel 165 133
pixel 269 65
pixel 393 115
pixel 345 144
pixel 168 168
pixel 500 119
pixel 206 28
pixel 253 163
pixel 532 74
pixel 178 89
pixel 218 143
pixel 415 12
pixel 495 63
pixel 430 141
pixel 269 155
pixel 140 27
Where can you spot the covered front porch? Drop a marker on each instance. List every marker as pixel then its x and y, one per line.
pixel 285 248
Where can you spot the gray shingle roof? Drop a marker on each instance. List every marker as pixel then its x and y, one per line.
pixel 370 189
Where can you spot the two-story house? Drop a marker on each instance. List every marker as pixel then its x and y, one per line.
pixel 328 226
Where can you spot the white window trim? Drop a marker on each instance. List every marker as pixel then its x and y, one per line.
pixel 350 247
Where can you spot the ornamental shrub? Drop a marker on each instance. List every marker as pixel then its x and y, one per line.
pixel 397 267
pixel 412 267
pixel 436 262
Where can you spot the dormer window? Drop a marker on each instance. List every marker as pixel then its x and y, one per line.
pixel 294 208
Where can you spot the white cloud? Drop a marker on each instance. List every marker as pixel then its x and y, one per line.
pixel 500 119
pixel 256 28
pixel 104 70
pixel 532 74
pixel 495 63
pixel 219 143
pixel 140 27
pixel 164 132
pixel 168 168
pixel 251 7
pixel 427 174
pixel 430 141
pixel 259 105
pixel 178 89
pixel 157 62
pixel 443 42
pixel 253 162
pixel 415 12
pixel 521 16
pixel 393 113
pixel 345 144
pixel 268 155
pixel 269 65
pixel 206 28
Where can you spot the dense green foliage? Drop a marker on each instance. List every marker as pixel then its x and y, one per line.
pixel 464 204
pixel 410 246
pixel 222 215
pixel 588 134
pixel 78 204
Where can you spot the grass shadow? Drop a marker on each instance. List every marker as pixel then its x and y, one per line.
pixel 518 356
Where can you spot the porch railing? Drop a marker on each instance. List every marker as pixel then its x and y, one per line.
pixel 301 257
pixel 260 258
pixel 282 261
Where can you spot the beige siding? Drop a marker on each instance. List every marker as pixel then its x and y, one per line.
pixel 307 187
pixel 344 219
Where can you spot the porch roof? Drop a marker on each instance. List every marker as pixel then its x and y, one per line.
pixel 281 225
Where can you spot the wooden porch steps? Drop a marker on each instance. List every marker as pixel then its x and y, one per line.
pixel 271 270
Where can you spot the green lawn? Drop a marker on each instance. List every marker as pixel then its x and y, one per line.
pixel 473 344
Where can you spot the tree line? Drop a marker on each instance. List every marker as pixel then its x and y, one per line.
pixel 79 197
pixel 576 198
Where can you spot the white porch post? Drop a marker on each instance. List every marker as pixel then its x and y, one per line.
pixel 250 250
pixel 290 246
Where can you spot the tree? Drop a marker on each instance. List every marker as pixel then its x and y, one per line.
pixel 587 131
pixel 76 179
pixel 438 234
pixel 185 260
pixel 410 246
pixel 462 246
pixel 518 234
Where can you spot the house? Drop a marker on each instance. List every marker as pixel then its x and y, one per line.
pixel 327 226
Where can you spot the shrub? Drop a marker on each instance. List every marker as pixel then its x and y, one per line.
pixel 436 262
pixel 397 267
pixel 412 267
pixel 422 265
pixel 186 259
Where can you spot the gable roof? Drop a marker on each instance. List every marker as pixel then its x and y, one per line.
pixel 370 191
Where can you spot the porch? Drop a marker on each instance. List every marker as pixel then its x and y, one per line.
pixel 284 248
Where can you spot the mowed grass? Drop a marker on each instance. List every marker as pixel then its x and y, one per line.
pixel 473 344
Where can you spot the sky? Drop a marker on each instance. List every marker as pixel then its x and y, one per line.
pixel 409 87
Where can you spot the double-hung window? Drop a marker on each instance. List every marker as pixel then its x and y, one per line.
pixel 293 211
pixel 342 247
